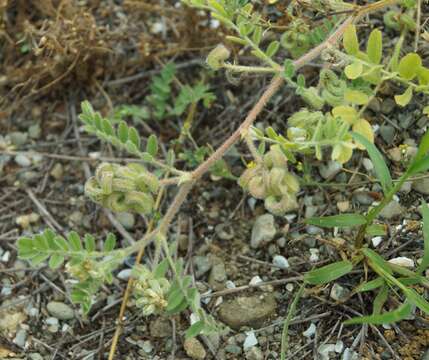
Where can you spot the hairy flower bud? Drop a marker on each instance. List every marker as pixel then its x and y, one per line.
pixel 147 180
pixel 311 97
pixel 217 57
pixel 115 202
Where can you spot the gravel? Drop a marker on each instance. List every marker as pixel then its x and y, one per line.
pixel 60 310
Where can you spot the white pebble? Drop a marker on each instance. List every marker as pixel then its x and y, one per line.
pixel 289 287
pixel 255 280
pixel 230 285
pixel 281 262
pixel 124 274
pixel 339 347
pixel 250 340
pixel 376 240
pixel 403 261
pixel 310 331
pixel 314 254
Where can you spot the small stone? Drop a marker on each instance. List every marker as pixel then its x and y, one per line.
pixel 329 170
pixel 60 310
pixel 160 328
pixel 233 349
pixel 387 106
pixel 374 105
pixel 124 274
pixel 255 280
pixel 281 262
pixel 126 219
pixel 35 356
pixel 202 264
pixel 395 154
pixel 339 347
pixel 34 131
pixel 314 255
pixel 250 341
pixel 254 353
pixel 313 230
pixel 18 138
pixel 363 198
pixel 367 164
pixel 343 206
pixel 263 231
pixel 310 211
pixel 57 171
pixel 194 349
pixel 403 261
pixel 247 311
pixel 426 355
pixel 387 132
pixel 376 240
pixel 20 338
pixel 392 210
pixel 281 242
pixel 421 185
pixel 339 293
pixel 230 284
pixel 25 220
pixel 22 160
pixel 224 232
pixel 406 187
pixel 146 346
pixel 325 349
pixel 310 331
pixel 217 276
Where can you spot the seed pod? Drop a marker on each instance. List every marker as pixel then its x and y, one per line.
pixel 93 190
pixel 123 185
pixel 247 175
pixel 311 97
pixel 106 182
pixel 147 180
pixel 139 202
pixel 280 205
pixel 292 183
pixel 257 187
pixel 275 157
pixel 277 185
pixel 105 168
pixel 217 57
pixel 115 202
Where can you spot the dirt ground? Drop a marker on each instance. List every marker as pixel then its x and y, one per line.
pixel 55 54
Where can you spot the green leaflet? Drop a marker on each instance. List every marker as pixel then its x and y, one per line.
pixel 380 166
pixel 386 318
pixel 328 273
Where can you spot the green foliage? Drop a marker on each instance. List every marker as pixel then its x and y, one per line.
pixel 328 273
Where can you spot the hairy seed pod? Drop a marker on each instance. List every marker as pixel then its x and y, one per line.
pixel 115 202
pixel 292 183
pixel 247 175
pixel 276 185
pixel 106 182
pixel 275 157
pixel 105 168
pixel 257 187
pixel 139 201
pixel 311 97
pixel 123 185
pixel 280 205
pixel 147 180
pixel 217 57
pixel 125 172
pixel 93 190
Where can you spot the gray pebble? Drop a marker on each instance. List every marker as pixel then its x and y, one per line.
pixel 60 310
pixel 263 231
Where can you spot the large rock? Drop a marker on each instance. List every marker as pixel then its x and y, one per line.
pixel 263 231
pixel 250 311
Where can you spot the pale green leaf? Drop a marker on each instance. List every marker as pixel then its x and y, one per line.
pixel 409 66
pixel 152 145
pixel 328 273
pixel 374 48
pixel 386 318
pixel 380 166
pixel 350 40
pixel 405 98
pixel 354 70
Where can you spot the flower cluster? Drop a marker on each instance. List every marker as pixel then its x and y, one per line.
pixel 270 180
pixel 150 292
pixel 123 188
